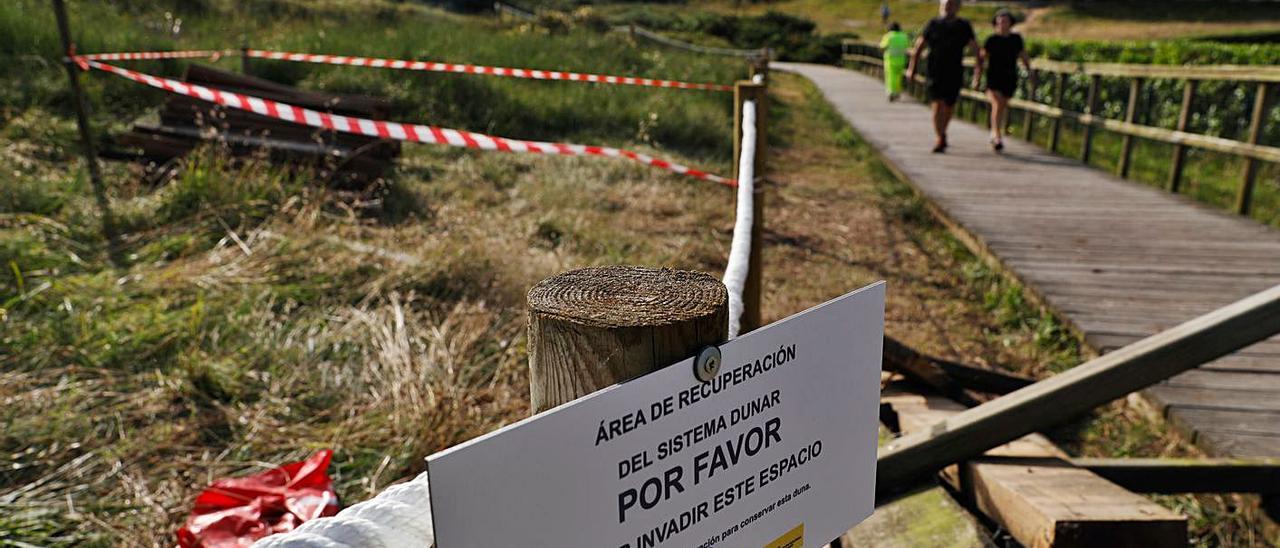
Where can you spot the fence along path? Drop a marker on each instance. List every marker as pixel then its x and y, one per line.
pixel 1117 260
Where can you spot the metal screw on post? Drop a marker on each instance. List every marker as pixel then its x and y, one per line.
pixel 595 327
pixel 707 365
pixel 86 136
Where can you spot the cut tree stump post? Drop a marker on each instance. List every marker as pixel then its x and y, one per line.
pixel 595 327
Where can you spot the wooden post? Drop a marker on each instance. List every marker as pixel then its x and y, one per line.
pixel 595 327
pixel 1059 87
pixel 1180 151
pixel 86 136
pixel 1066 395
pixel 1028 131
pixel 244 57
pixel 751 295
pixel 1090 108
pixel 1245 198
pixel 759 66
pixel 631 29
pixel 1130 112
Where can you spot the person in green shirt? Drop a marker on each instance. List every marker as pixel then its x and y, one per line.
pixel 895 45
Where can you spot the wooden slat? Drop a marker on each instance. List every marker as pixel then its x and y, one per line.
pixel 1188 475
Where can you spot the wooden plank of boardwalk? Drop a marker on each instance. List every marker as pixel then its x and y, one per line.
pixel 1118 260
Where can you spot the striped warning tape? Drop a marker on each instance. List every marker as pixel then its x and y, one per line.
pixel 150 55
pixel 402 64
pixel 389 130
pixel 432 66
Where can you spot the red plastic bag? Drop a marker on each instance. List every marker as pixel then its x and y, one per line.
pixel 235 512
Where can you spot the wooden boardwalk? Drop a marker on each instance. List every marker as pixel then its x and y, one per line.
pixel 1118 260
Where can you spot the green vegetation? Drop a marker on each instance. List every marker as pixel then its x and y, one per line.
pixel 1153 19
pixel 261 316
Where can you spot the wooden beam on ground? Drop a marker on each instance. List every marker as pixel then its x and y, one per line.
pixel 925 517
pixel 1189 475
pixel 1071 393
pixel 947 376
pixel 1030 488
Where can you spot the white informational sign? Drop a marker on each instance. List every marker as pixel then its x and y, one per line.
pixel 777 451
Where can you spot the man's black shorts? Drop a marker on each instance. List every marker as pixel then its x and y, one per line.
pixel 945 87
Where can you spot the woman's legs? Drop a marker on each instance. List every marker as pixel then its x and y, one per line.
pixel 999 110
pixel 893 77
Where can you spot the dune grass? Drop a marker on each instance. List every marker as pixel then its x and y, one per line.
pixel 261 316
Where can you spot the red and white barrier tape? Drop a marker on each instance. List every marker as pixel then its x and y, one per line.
pixel 390 130
pixel 150 55
pixel 432 66
pixel 401 64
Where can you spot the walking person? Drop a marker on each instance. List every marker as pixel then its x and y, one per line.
pixel 946 38
pixel 894 44
pixel 884 12
pixel 1003 50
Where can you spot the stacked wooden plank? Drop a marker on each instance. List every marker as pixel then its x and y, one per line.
pixel 340 159
pixel 1031 489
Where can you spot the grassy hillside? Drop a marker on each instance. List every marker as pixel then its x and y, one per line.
pixel 1073 20
pixel 260 315
pixel 1154 20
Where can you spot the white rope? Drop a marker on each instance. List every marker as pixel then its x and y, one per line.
pixel 735 272
pixel 398 516
pixel 401 514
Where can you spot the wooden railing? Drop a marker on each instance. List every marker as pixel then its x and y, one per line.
pixel 867 57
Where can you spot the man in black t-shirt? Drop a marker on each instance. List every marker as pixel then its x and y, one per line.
pixel 946 38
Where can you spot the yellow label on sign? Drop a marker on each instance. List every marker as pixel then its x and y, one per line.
pixel 792 539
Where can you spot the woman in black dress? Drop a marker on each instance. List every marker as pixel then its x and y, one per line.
pixel 1003 50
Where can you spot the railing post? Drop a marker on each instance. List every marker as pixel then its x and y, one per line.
pixel 1130 112
pixel 596 327
pixel 1028 117
pixel 86 135
pixel 1059 87
pixel 1091 108
pixel 1180 151
pixel 752 289
pixel 1245 197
